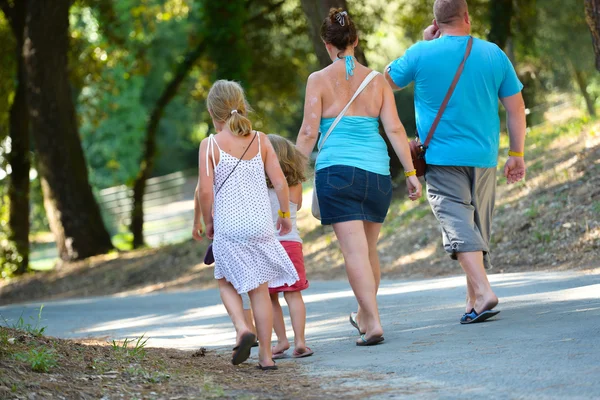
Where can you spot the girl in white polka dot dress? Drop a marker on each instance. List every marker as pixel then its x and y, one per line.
pixel 248 256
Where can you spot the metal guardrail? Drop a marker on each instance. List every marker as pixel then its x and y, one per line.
pixel 168 208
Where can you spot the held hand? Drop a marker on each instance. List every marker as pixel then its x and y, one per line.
pixel 197 231
pixel 431 32
pixel 210 231
pixel 414 187
pixel 284 226
pixel 514 169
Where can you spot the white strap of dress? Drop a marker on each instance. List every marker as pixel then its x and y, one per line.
pixel 258 133
pixel 211 148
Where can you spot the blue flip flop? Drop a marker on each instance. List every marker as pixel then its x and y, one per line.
pixel 473 318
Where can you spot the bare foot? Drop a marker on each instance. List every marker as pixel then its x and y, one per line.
pixel 266 362
pixel 485 303
pixel 281 346
pixel 375 331
pixel 470 305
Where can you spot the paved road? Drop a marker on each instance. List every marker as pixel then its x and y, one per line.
pixel 544 344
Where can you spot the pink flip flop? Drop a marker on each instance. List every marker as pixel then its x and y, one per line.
pixel 279 355
pixel 307 353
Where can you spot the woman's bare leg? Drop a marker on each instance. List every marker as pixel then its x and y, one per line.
pixel 355 248
pixel 372 230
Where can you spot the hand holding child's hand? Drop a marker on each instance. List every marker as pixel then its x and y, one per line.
pixel 284 226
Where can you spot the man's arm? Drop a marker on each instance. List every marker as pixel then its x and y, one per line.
pixel 389 79
pixel 514 170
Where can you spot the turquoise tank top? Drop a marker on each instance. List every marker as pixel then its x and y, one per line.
pixel 354 142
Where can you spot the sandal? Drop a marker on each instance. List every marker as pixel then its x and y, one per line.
pixel 473 318
pixel 354 323
pixel 307 353
pixel 267 368
pixel 242 350
pixel 370 342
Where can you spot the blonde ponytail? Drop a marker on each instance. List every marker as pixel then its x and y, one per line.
pixel 239 125
pixel 227 103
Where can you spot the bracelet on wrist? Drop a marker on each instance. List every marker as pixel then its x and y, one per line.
pixel 282 214
pixel 515 154
pixel 412 172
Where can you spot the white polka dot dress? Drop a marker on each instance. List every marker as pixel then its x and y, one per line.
pixel 247 252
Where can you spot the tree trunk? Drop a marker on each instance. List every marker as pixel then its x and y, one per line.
pixel 583 84
pixel 19 159
pixel 316 11
pixel 147 163
pixel 501 13
pixel 592 16
pixel 72 210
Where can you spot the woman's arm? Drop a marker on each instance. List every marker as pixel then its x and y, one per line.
pixel 309 131
pixel 206 196
pixel 277 178
pixel 397 136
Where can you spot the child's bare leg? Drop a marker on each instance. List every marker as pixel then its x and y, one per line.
pixel 279 325
pixel 298 315
pixel 233 304
pixel 263 316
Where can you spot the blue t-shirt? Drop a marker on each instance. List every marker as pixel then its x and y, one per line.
pixel 469 132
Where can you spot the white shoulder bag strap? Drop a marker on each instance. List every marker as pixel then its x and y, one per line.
pixel 363 85
pixel 316 210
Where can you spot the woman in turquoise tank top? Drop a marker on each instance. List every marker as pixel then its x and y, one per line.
pixel 352 181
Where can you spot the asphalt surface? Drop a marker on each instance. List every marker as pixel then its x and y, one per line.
pixel 544 344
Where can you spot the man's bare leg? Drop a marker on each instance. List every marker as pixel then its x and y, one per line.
pixel 483 295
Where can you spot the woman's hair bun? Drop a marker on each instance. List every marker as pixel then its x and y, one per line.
pixel 333 13
pixel 338 29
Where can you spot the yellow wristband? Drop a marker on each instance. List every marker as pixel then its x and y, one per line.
pixel 410 173
pixel 515 154
pixel 284 214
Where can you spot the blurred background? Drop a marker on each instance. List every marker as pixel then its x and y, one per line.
pixel 102 109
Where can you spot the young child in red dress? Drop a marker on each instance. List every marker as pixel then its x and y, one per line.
pixel 293 166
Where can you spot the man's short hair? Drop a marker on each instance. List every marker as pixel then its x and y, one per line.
pixel 449 11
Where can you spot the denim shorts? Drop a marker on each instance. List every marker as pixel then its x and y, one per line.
pixel 350 194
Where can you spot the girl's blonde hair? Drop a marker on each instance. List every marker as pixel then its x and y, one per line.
pixel 292 162
pixel 227 103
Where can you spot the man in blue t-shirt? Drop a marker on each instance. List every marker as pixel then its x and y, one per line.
pixel 463 153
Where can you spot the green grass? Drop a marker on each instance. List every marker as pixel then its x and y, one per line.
pixel 131 348
pixel 34 329
pixel 39 359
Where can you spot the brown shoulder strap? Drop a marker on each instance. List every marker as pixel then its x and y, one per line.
pixel 449 94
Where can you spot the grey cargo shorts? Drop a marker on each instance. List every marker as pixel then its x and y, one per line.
pixel 462 200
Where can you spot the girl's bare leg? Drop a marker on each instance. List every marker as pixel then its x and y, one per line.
pixel 263 316
pixel 279 325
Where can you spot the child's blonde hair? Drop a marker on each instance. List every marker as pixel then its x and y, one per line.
pixel 227 103
pixel 292 162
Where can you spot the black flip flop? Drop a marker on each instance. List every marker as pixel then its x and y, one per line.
pixel 242 350
pixel 370 342
pixel 354 323
pixel 473 318
pixel 269 368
